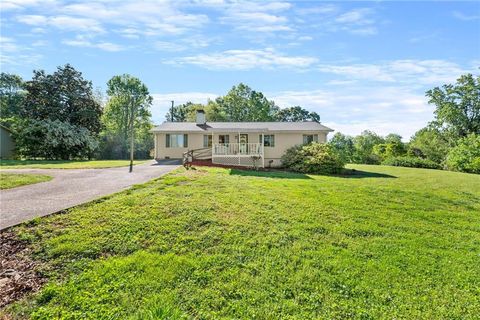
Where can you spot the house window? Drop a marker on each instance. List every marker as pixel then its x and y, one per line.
pixel 309 138
pixel 176 140
pixel 207 140
pixel 268 140
pixel 224 138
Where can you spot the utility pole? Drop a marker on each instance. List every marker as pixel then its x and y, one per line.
pixel 132 139
pixel 171 112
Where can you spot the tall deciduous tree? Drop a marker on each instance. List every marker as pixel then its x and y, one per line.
pixel 11 97
pixel 58 117
pixel 364 144
pixel 183 112
pixel 65 96
pixel 296 114
pixel 344 145
pixel 465 156
pixel 128 108
pixel 458 105
pixel 242 103
pixel 430 143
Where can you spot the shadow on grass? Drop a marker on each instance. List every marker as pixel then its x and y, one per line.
pixel 269 174
pixel 358 174
pixel 278 174
pixel 30 162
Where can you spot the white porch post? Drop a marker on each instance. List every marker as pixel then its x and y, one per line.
pixel 263 150
pixel 239 147
pixel 155 149
pixel 213 147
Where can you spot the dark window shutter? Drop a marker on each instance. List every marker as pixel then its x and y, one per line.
pixel 167 141
pixel 185 140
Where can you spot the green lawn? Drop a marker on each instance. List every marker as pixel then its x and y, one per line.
pixel 65 164
pixel 394 243
pixel 12 180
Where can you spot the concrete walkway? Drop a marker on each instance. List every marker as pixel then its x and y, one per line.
pixel 71 187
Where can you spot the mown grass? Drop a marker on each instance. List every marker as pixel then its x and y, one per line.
pixel 387 242
pixel 12 180
pixel 65 164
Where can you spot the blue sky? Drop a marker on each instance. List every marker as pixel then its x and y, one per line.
pixel 360 65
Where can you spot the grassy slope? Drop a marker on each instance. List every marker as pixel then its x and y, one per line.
pixel 12 180
pixel 227 244
pixel 64 164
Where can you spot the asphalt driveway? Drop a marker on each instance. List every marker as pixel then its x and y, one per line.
pixel 71 187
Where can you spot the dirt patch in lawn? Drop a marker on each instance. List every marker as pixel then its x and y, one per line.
pixel 18 272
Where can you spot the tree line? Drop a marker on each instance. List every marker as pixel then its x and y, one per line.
pixel 241 104
pixel 60 116
pixel 451 141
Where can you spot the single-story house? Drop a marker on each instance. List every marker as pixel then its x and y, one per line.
pixel 7 145
pixel 259 144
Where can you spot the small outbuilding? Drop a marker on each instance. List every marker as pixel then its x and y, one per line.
pixel 7 145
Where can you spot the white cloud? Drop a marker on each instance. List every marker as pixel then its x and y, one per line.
pixel 132 19
pixel 108 46
pixel 305 38
pixel 465 17
pixel 146 17
pixel 414 72
pixel 168 46
pixel 8 44
pixel 6 5
pixel 357 21
pixel 330 18
pixel 318 10
pixel 32 19
pixel 67 23
pixel 38 30
pixel 105 46
pixel 245 60
pixel 356 16
pixel 177 45
pixel 257 16
pixel 13 54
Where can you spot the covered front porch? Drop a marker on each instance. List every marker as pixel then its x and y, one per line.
pixel 238 148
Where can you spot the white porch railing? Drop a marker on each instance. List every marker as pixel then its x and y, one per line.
pixel 237 149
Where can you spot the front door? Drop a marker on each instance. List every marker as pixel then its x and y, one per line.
pixel 243 143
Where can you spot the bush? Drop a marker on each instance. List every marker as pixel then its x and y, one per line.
pixel 115 146
pixel 389 150
pixel 411 162
pixel 316 158
pixel 53 140
pixel 465 157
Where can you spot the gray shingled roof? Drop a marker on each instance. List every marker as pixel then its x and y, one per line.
pixel 240 126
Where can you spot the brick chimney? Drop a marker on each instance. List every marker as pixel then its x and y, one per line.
pixel 200 118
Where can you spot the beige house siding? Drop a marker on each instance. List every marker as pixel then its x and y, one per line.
pixel 195 141
pixel 283 141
